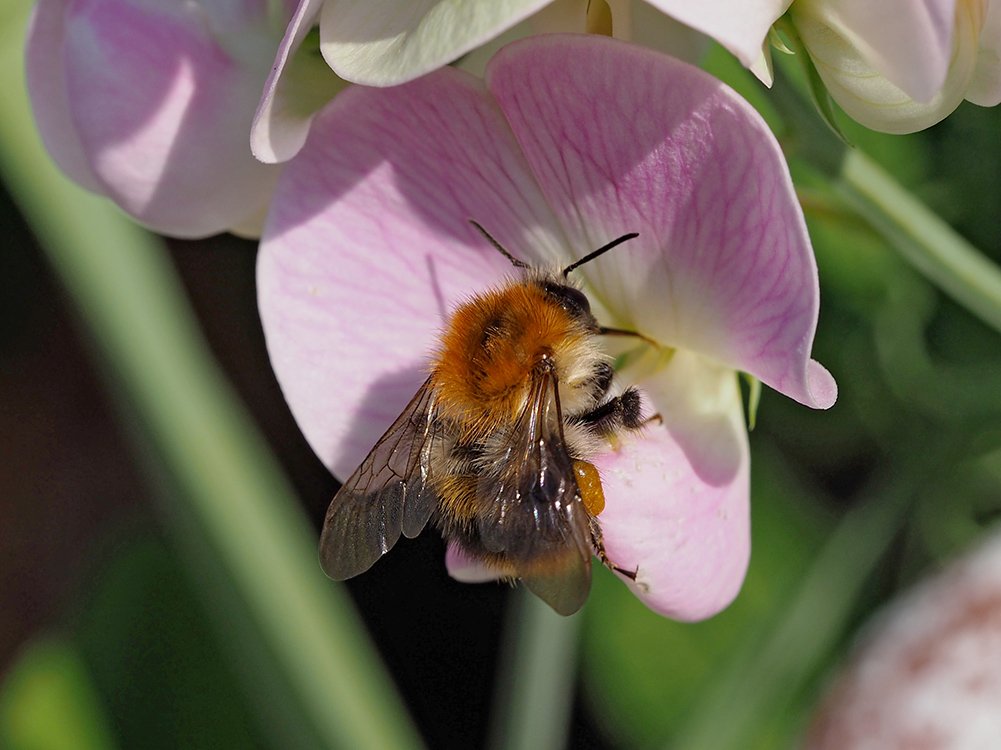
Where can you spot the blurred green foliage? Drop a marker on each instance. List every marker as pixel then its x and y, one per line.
pixel 49 703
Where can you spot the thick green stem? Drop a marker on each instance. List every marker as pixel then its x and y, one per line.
pixel 537 675
pixel 934 248
pixel 127 293
pixel 923 239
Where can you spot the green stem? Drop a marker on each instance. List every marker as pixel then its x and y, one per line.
pixel 537 675
pixel 925 241
pixel 125 288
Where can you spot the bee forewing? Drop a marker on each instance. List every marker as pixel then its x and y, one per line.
pixel 389 494
pixel 531 510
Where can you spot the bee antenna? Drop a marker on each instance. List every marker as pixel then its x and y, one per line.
pixel 600 251
pixel 498 246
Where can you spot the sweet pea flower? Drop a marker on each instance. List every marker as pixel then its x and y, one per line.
pixel 925 673
pixel 389 42
pixel 897 66
pixel 570 141
pixel 900 66
pixel 150 102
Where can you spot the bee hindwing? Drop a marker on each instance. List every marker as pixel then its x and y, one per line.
pixel 392 492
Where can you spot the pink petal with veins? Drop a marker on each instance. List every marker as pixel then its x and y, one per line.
pixel 623 139
pixel 368 247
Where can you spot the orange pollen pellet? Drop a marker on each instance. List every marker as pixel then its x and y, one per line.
pixel 589 484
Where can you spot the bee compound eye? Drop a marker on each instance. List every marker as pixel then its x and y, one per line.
pixel 569 298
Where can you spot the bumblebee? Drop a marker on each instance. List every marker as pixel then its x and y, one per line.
pixel 494 447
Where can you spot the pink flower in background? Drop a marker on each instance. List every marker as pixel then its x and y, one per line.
pixel 926 672
pixel 150 102
pixel 571 141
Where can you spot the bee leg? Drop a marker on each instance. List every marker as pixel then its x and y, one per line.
pixel 608 331
pixel 621 411
pixel 599 548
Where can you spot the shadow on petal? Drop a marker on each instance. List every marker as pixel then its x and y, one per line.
pixel 382 403
pixel 695 400
pixel 412 165
pixel 712 443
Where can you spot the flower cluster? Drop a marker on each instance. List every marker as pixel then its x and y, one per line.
pixel 206 116
pixel 151 103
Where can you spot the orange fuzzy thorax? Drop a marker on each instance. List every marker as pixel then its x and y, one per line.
pixel 484 366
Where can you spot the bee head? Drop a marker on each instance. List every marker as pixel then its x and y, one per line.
pixel 570 298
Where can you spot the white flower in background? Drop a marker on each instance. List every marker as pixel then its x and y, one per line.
pixel 895 65
pixel 900 66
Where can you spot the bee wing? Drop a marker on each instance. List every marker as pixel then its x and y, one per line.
pixel 389 494
pixel 532 511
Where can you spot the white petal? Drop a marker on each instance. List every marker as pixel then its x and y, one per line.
pixel 762 67
pixel 985 89
pixel 739 25
pixel 867 95
pixel 386 42
pixel 908 42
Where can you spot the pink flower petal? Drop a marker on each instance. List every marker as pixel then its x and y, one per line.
pixel 623 139
pixel 678 496
pixel 368 246
pixel 739 25
pixel 45 70
pixel 158 107
pixel 926 674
